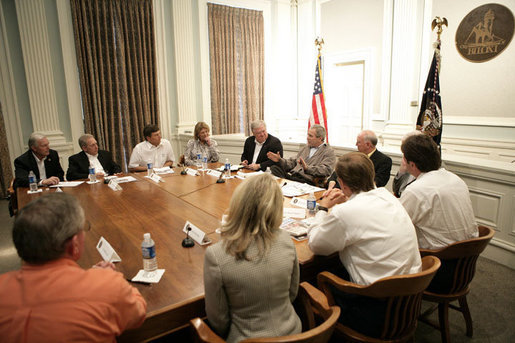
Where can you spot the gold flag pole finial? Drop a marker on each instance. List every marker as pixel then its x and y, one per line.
pixel 439 22
pixel 319 42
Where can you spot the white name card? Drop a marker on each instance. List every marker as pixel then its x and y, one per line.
pixel 214 173
pixel 156 178
pixel 192 172
pixel 113 184
pixel 196 234
pixel 302 203
pixel 106 251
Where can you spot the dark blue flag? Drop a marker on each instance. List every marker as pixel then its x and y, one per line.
pixel 429 119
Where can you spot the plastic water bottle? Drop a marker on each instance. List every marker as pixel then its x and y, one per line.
pixel 199 161
pixel 148 248
pixel 33 185
pixel 150 170
pixel 268 170
pixel 204 162
pixel 92 176
pixel 227 168
pixel 312 204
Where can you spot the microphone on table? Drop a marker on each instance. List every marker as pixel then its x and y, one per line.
pixel 188 242
pixel 183 164
pixel 220 178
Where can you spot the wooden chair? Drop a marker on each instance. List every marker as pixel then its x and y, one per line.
pixel 311 304
pixel 401 296
pixel 453 279
pixel 13 201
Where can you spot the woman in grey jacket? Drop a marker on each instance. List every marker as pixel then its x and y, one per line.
pixel 251 276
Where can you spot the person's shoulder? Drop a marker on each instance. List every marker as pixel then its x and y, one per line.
pixel 23 157
pixel 166 142
pixel 79 155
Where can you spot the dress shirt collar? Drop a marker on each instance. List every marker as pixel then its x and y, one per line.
pixel 91 157
pixel 37 159
pixel 257 143
pixel 370 153
pixel 151 146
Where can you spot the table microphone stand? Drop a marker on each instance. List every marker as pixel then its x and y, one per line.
pixel 188 242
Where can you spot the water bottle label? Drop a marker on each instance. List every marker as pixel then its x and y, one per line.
pixel 149 165
pixel 92 170
pixel 312 204
pixel 198 156
pixel 149 252
pixel 227 166
pixel 205 159
pixel 31 179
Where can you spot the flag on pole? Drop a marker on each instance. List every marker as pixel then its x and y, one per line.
pixel 318 113
pixel 429 119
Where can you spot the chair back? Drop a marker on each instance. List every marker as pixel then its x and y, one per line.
pixel 458 262
pixel 311 305
pixel 13 200
pixel 402 295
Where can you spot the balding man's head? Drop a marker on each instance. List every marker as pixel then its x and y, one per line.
pixel 366 141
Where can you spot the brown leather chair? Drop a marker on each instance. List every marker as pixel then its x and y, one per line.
pixel 400 296
pixel 453 279
pixel 311 306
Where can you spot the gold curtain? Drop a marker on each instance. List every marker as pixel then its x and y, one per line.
pixel 236 50
pixel 5 160
pixel 114 41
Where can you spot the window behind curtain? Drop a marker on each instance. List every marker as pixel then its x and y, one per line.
pixel 236 53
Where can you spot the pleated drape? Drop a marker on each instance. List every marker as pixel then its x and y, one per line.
pixel 114 40
pixel 236 47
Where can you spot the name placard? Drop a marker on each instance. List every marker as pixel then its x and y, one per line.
pixel 196 234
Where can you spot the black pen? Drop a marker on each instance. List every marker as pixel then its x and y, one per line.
pixel 284 184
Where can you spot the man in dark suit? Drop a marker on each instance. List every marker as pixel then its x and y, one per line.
pixel 40 159
pixel 257 146
pixel 366 143
pixel 90 156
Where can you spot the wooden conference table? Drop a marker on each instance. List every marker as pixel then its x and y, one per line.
pixel 122 217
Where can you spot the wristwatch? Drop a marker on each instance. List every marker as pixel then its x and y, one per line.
pixel 323 208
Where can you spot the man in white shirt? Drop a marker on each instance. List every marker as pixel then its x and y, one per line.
pixel 372 233
pixel 154 149
pixel 438 201
pixel 90 157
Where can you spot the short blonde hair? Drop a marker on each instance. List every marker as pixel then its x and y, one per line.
pixel 255 214
pixel 199 127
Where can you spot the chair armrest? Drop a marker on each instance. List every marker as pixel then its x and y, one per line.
pixel 317 298
pixel 327 279
pixel 203 333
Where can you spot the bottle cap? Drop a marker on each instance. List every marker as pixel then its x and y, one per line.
pixel 146 235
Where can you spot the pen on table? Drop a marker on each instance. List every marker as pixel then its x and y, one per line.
pixel 284 184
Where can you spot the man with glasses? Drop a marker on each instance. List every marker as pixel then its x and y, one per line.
pixel 258 145
pixel 51 297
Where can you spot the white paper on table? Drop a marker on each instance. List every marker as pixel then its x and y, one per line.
pixel 163 170
pixel 149 277
pixel 299 202
pixel 293 188
pixel 125 179
pixel 246 175
pixel 106 251
pixel 234 167
pixel 67 184
pixel 294 212
pixel 39 190
pixel 90 183
pixel 214 173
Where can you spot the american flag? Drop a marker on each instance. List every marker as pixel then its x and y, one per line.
pixel 318 113
pixel 429 119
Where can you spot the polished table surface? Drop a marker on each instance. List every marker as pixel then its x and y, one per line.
pixel 122 217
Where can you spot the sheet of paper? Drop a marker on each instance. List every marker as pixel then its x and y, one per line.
pixel 214 173
pixel 299 202
pixel 150 277
pixel 293 188
pixel 106 251
pixel 39 190
pixel 67 184
pixel 163 170
pixel 294 212
pixel 126 179
pixel 234 167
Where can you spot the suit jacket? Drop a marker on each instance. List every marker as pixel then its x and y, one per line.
pixel 382 167
pixel 319 165
pixel 78 165
pixel 252 298
pixel 26 162
pixel 272 144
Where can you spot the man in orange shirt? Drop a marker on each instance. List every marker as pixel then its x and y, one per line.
pixel 52 299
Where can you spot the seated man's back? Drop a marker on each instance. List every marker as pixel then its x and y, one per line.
pixel 439 205
pixel 63 302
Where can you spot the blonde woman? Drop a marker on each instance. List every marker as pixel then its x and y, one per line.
pixel 201 144
pixel 251 276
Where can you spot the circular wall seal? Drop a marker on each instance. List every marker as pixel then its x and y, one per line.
pixel 485 32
